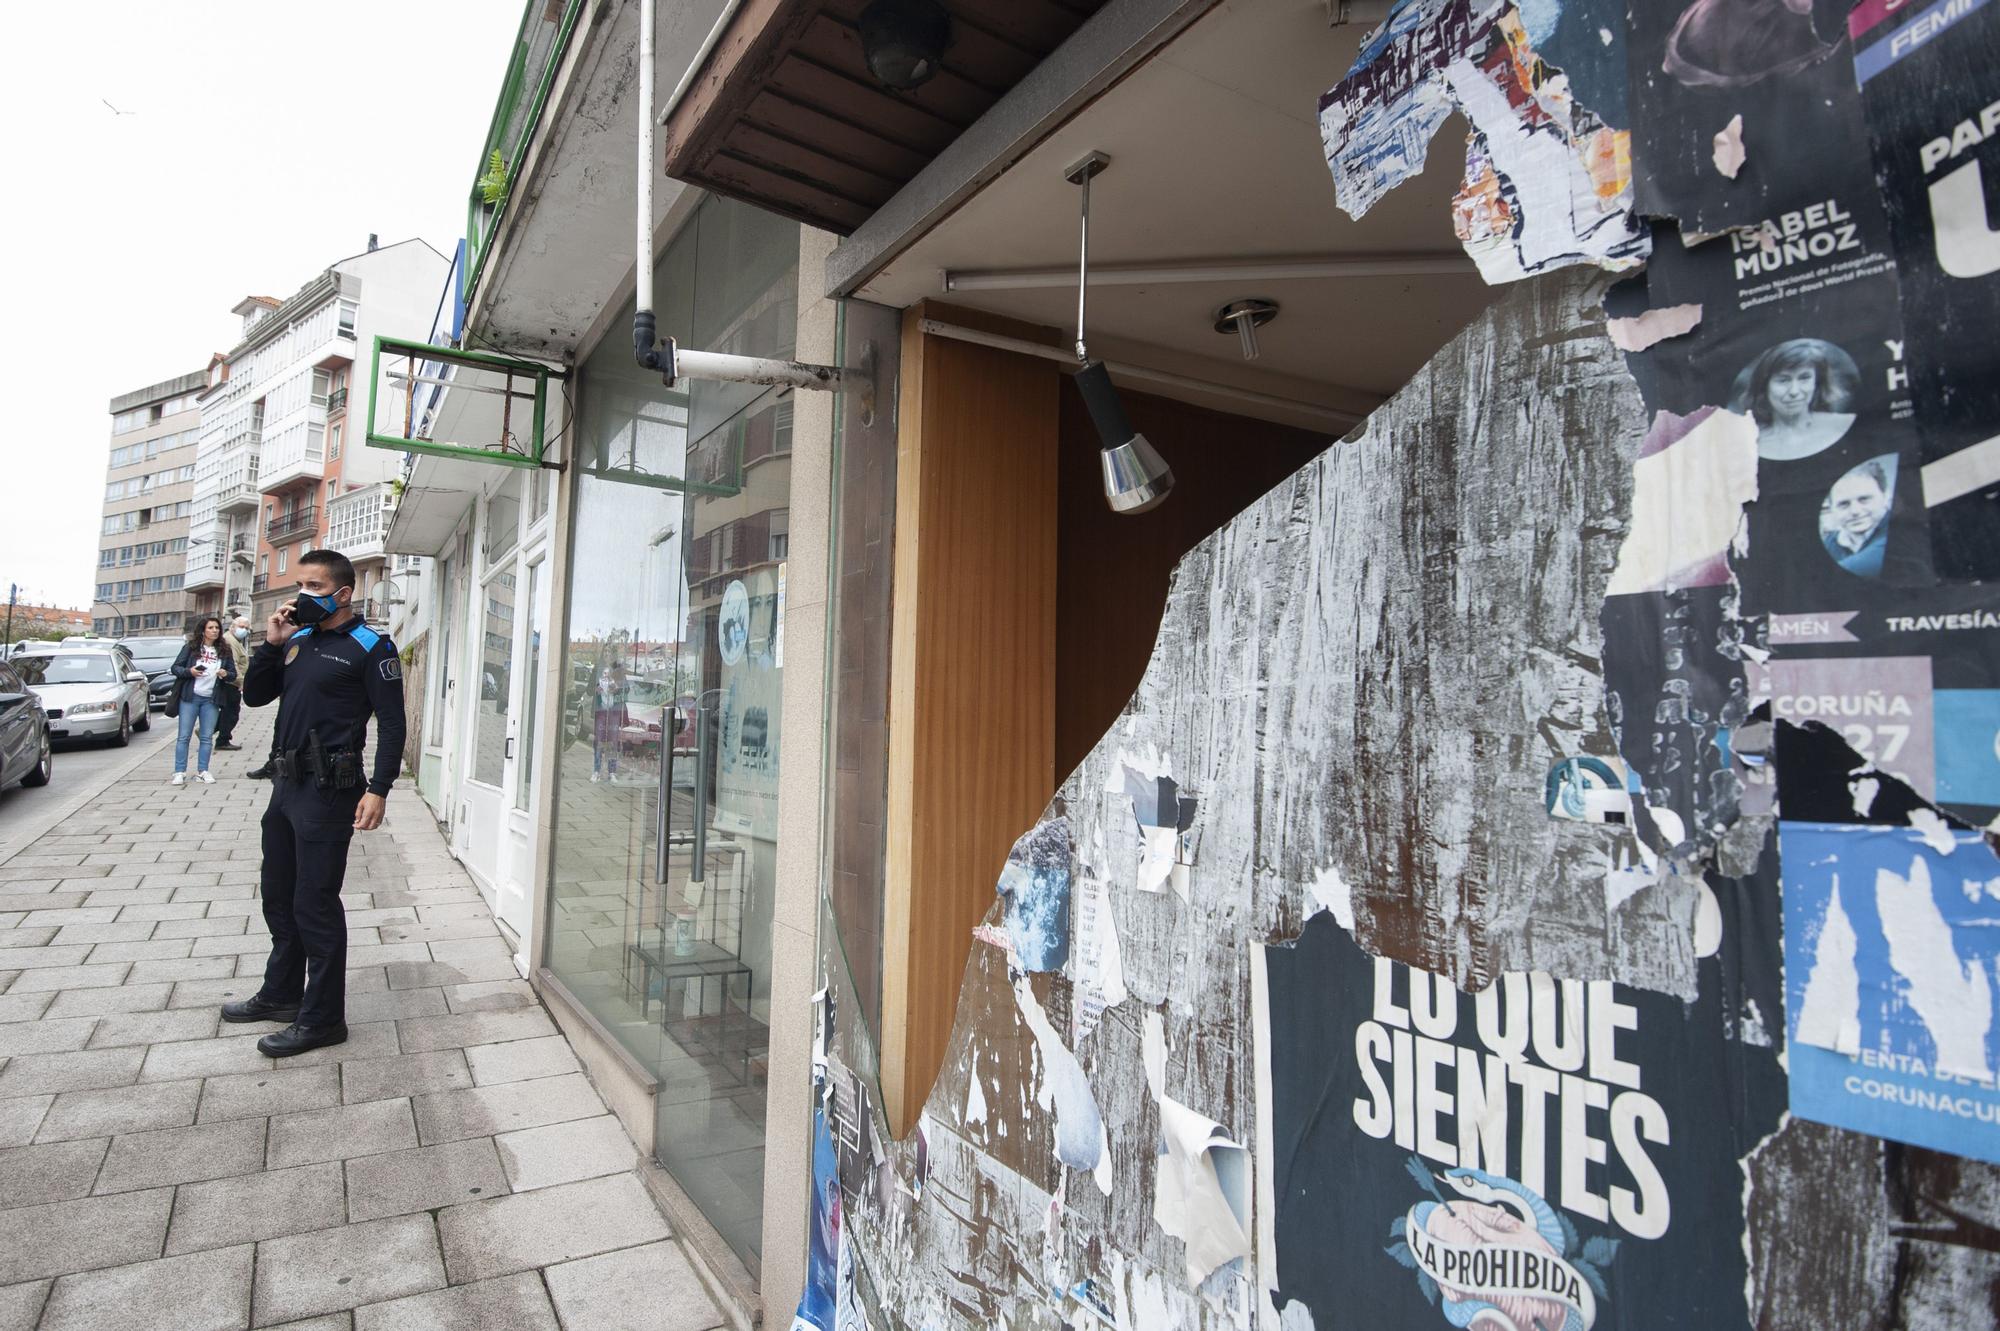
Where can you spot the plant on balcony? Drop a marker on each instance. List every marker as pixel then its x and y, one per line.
pixel 493 185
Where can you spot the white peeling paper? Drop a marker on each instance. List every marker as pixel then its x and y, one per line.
pixel 1729 154
pixel 1643 330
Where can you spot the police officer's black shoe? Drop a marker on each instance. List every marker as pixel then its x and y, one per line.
pixel 227 744
pixel 260 772
pixel 257 1009
pixel 297 1039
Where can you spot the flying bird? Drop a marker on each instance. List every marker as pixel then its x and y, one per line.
pixel 115 111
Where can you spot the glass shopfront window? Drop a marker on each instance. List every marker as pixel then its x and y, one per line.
pixel 665 827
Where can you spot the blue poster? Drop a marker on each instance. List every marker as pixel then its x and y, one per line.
pixel 1892 959
pixel 816 1302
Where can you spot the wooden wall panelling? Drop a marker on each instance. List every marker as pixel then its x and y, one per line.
pixel 973 669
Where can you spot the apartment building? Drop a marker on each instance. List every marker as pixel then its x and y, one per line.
pixel 274 476
pixel 148 488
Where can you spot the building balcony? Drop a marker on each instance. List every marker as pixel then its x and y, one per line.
pixel 358 522
pixel 291 526
pixel 294 454
pixel 260 584
pixel 336 401
pixel 237 496
pixel 204 568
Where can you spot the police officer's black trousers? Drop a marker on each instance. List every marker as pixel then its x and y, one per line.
pixel 228 708
pixel 306 835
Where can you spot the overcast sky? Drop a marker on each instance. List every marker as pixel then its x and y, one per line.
pixel 261 142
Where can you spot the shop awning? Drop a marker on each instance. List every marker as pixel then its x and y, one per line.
pixel 785 114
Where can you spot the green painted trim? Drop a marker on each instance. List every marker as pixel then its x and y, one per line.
pixel 476 244
pixel 399 445
pixel 541 374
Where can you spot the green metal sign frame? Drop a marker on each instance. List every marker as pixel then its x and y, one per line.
pixel 541 374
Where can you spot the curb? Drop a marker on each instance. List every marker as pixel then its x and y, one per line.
pixel 48 822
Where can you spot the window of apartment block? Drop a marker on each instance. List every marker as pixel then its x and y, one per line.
pixel 263 566
pixel 333 438
pixel 347 317
pixel 281 561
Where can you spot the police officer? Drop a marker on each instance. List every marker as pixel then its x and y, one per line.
pixel 330 671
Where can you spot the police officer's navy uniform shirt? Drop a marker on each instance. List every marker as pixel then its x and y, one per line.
pixel 331 680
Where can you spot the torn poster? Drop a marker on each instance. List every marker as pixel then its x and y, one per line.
pixel 1802 334
pixel 1892 954
pixel 1675 688
pixel 1728 154
pixel 1096 968
pixel 1690 482
pixel 1080 1134
pixel 1165 818
pixel 1547 183
pixel 816 1302
pixel 1547 1149
pixel 1694 66
pixel 1035 885
pixel 1585 790
pixel 1914 688
pixel 1930 86
pixel 1201 1188
pixel 1643 330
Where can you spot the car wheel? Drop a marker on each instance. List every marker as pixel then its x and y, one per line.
pixel 145 721
pixel 45 768
pixel 124 736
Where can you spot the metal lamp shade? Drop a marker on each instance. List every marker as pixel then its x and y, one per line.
pixel 1136 477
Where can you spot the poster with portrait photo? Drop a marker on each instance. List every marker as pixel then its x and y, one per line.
pixel 1930 88
pixel 1801 331
pixel 1782 65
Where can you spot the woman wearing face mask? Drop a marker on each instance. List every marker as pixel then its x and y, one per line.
pixel 203 664
pixel 229 697
pixel 1799 393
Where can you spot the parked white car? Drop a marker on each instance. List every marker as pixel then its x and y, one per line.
pixel 88 692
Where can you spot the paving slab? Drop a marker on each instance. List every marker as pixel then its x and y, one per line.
pixel 133 1028
pixel 71 977
pixel 404 1075
pixel 207 1291
pixel 24 1007
pixel 509 1303
pixel 119 1109
pixel 21 1305
pixel 331 1269
pixel 458 1030
pixel 20 1116
pixel 392 1004
pixel 595 1293
pixel 103 1002
pixel 83 1070
pixel 48 1036
pixel 253 1207
pixel 341 1132
pixel 281 1090
pixel 491 996
pixel 565 1152
pixel 517 1233
pixel 183 1155
pixel 423 1179
pixel 486 1110
pixel 521 1060
pixel 206 1058
pixel 84 1235
pixel 57 1172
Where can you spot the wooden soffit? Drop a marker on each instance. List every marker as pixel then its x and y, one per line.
pixel 785 115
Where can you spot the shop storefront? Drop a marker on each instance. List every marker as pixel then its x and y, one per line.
pixel 664 832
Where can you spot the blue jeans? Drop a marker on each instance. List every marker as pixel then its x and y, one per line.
pixel 195 710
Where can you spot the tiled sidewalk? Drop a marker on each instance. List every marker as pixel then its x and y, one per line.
pixel 448 1167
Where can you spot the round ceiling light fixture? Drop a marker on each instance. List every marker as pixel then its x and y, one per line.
pixel 904 41
pixel 1244 318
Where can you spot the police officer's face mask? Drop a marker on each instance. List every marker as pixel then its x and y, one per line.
pixel 310 609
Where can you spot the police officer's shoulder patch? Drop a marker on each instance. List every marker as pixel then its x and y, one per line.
pixel 392 667
pixel 291 653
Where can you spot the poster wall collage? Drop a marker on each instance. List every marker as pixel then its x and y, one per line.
pixel 1801 663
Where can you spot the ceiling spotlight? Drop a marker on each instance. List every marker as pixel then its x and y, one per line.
pixel 1136 477
pixel 1244 318
pixel 904 40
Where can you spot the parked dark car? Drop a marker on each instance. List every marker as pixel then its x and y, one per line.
pixel 155 656
pixel 25 753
